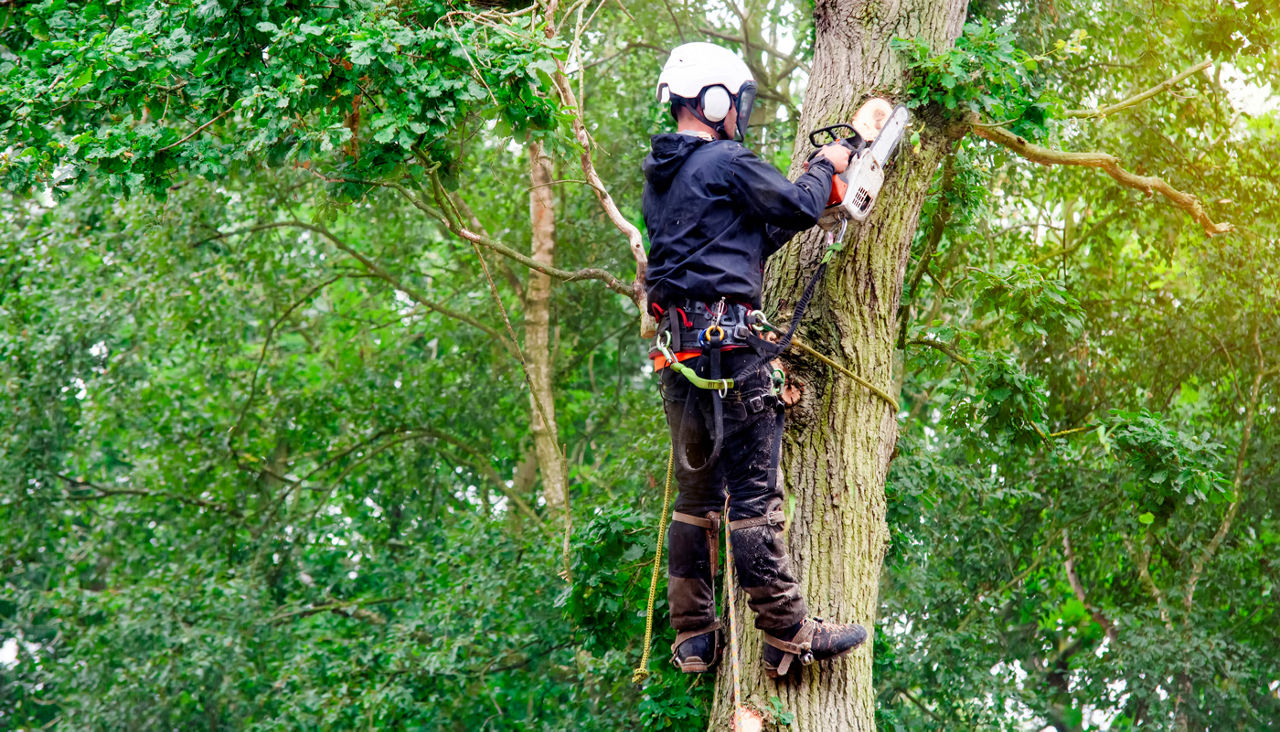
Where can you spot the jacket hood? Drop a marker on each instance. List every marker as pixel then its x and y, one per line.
pixel 669 153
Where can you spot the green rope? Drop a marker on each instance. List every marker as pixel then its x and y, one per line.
pixel 642 671
pixel 690 374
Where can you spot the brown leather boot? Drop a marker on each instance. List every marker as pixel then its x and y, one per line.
pixel 698 651
pixel 813 640
pixel 691 594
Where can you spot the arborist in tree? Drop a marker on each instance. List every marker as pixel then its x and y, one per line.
pixel 714 213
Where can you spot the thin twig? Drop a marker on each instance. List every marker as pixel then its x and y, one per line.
pixel 197 130
pixel 104 492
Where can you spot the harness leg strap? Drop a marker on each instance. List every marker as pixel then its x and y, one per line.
pixel 773 518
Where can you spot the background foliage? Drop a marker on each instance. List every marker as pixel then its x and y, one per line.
pixel 252 482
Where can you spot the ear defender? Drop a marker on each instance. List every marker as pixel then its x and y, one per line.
pixel 715 103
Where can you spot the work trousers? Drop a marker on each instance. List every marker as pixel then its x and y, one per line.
pixel 743 469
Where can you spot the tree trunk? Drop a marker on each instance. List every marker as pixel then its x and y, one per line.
pixel 841 437
pixel 537 337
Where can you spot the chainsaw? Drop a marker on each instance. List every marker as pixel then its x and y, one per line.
pixel 877 129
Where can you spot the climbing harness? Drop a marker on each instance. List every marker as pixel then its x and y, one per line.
pixel 711 337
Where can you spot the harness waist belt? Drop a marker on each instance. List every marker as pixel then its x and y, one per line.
pixel 687 320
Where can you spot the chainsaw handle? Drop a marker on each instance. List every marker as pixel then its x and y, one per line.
pixel 832 133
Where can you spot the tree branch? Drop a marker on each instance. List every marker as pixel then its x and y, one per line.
pixel 1139 98
pixel 1143 560
pixel 634 238
pixel 1109 164
pixel 376 270
pixel 945 348
pixel 937 226
pixel 196 131
pixel 458 227
pixel 1251 412
pixel 1078 588
pixel 478 459
pixel 103 492
pixel 262 355
pixel 1079 240
pixel 353 609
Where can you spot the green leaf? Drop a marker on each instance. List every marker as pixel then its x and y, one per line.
pixel 84 78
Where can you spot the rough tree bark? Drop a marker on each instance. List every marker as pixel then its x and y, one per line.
pixel 537 337
pixel 840 438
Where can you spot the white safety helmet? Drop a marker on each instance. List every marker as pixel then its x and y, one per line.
pixel 710 77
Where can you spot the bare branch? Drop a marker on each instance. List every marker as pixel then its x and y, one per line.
pixel 1109 164
pixel 1139 98
pixel 634 238
pixel 457 226
pixel 675 21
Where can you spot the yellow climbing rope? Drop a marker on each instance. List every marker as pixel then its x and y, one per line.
pixel 642 671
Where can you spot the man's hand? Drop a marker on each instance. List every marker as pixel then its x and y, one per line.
pixel 838 154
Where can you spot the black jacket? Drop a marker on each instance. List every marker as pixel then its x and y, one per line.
pixel 715 211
